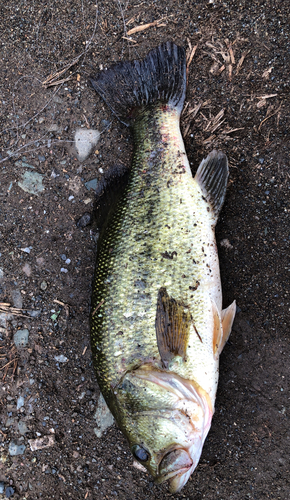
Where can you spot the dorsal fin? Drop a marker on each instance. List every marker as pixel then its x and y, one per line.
pixel 172 327
pixel 212 177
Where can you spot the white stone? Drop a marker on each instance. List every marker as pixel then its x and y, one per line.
pixel 85 141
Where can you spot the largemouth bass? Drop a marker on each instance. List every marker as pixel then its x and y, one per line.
pixel 157 324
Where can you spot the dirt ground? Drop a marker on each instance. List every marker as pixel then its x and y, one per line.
pixel 238 87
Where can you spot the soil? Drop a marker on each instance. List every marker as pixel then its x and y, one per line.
pixel 238 86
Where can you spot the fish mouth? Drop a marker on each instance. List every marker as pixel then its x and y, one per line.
pixel 173 466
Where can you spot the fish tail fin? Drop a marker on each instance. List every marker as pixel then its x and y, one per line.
pixel 159 77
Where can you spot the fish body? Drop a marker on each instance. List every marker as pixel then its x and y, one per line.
pixel 157 325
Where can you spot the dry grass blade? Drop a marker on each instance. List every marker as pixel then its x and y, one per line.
pixel 215 122
pixel 57 74
pixel 270 116
pixel 143 27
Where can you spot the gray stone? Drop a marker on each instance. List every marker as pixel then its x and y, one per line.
pixel 15 449
pixel 31 182
pixel 21 338
pixel 92 184
pixel 22 427
pixel 85 141
pixel 17 298
pixel 103 416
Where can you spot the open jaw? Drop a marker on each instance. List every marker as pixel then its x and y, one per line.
pixel 177 466
pixel 192 412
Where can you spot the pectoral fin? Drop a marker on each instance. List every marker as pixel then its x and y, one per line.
pixel 172 325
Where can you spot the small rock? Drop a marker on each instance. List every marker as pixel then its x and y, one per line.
pixel 41 158
pixel 226 244
pixel 43 285
pixel 20 402
pixel 20 163
pixel 38 444
pixel 61 358
pixel 67 261
pixel 9 492
pixel 17 298
pixel 85 141
pixel 92 184
pixel 63 270
pixel 22 427
pixel 75 184
pixel 15 449
pixel 34 313
pixel 103 417
pixel 27 270
pixel 85 220
pixel 31 182
pixel 63 256
pixel 53 127
pixel 20 338
pixel 26 249
pixel 40 261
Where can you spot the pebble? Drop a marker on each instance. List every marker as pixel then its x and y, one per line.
pixel 9 492
pixel 38 444
pixel 85 141
pixel 17 298
pixel 26 249
pixel 20 338
pixel 63 270
pixel 103 417
pixel 27 269
pixel 92 184
pixel 43 285
pixel 31 182
pixel 41 158
pixel 20 163
pixel 22 427
pixel 15 449
pixel 61 358
pixel 85 220
pixel 20 402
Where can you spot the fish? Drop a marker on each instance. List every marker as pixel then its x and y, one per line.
pixel 157 323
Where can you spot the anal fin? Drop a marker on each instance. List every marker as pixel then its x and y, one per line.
pixel 222 327
pixel 228 316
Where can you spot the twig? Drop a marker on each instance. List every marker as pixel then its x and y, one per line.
pixel 143 27
pixel 98 306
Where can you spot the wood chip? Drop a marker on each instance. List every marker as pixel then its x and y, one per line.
pixel 239 65
pixel 191 55
pixel 267 96
pixel 232 55
pixel 267 73
pixel 143 27
pixel 129 39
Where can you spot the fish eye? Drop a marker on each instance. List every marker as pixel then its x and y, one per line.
pixel 140 453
